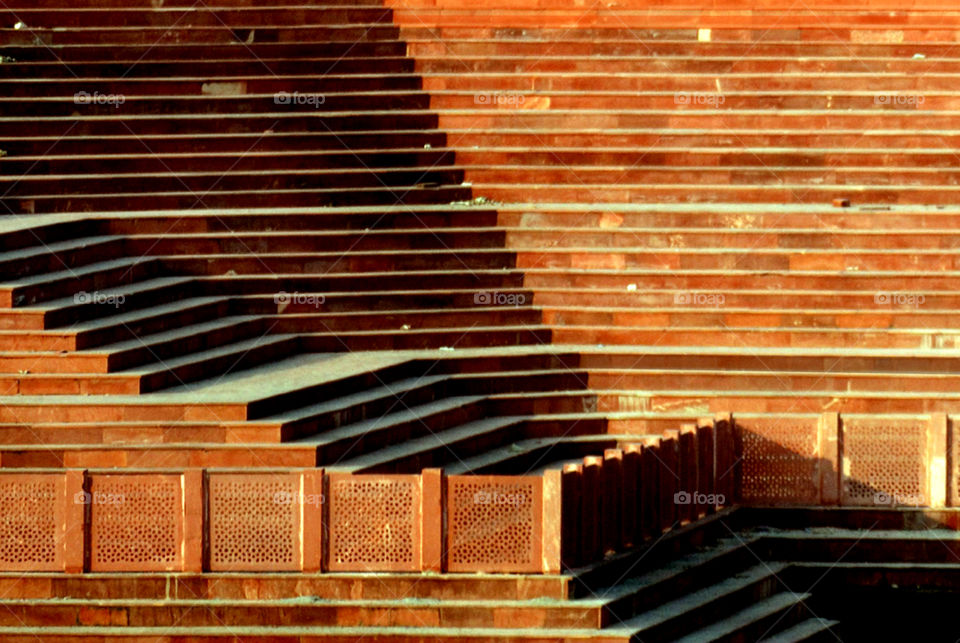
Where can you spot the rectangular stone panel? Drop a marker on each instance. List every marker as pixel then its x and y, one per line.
pixel 884 462
pixel 494 523
pixel 781 463
pixel 31 522
pixel 373 522
pixel 136 522
pixel 254 521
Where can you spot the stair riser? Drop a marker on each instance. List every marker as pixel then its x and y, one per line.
pixel 302 615
pixel 282 121
pixel 84 288
pixel 235 163
pixel 254 199
pixel 356 63
pixel 186 52
pixel 137 91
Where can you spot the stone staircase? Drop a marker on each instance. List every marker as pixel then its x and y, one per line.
pixel 379 238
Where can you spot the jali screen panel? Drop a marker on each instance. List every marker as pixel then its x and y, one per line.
pixel 374 523
pixel 494 523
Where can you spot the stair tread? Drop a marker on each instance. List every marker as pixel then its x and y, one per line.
pixel 801 631
pixel 177 333
pixel 241 347
pixel 733 624
pixel 404 414
pixel 678 607
pixel 440 438
pixel 181 305
pixel 500 454
pixel 388 389
pixel 130 289
pixel 79 271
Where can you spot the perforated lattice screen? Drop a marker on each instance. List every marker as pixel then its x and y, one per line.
pixel 780 460
pixel 374 523
pixel 31 513
pixel 884 462
pixel 255 522
pixel 495 523
pixel 135 522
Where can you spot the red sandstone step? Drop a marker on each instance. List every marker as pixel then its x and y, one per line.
pixel 908 338
pixel 541 44
pixel 53 313
pixel 77 433
pixel 849 308
pixel 70 282
pixel 411 613
pixel 716 281
pixel 741 401
pixel 185 18
pixel 617 255
pixel 765 241
pixel 321 241
pixel 156 456
pixel 38 409
pixel 165 51
pixel 361 60
pixel 707 379
pixel 41 92
pixel 281 121
pixel 178 200
pixel 718 193
pixel 213 142
pixel 756 119
pixel 453 260
pixel 941 363
pixel 855 179
pixel 77 384
pixel 218 36
pixel 267 160
pixel 235 586
pixel 463 337
pixel 397 218
pixel 640 315
pixel 738 139
pixel 430 61
pixel 724 220
pixel 171 4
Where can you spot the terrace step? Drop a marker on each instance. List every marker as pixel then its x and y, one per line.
pixel 77 281
pixel 57 313
pixel 677 618
pixel 178 200
pixel 755 622
pixel 412 613
pixel 435 449
pixel 811 629
pixel 392 429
